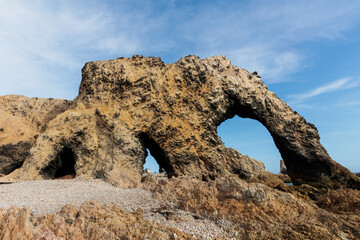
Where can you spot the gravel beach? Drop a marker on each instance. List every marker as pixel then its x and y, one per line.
pixel 48 196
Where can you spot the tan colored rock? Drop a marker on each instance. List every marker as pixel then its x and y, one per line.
pixel 255 211
pixel 21 120
pixel 91 221
pixel 284 177
pixel 129 104
pixel 23 117
pixel 15 224
pixel 242 210
pixel 123 177
pixel 341 201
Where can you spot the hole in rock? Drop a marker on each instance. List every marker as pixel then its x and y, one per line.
pixel 251 138
pixel 150 163
pixel 156 154
pixel 63 166
pixel 67 161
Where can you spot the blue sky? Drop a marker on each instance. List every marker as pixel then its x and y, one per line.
pixel 307 52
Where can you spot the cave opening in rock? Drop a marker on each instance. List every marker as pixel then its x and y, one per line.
pixel 67 160
pixel 156 154
pixel 63 166
pixel 251 138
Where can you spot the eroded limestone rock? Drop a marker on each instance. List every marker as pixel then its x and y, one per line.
pixel 21 120
pixel 129 104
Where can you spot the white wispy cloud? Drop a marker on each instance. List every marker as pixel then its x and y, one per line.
pixel 42 42
pixel 341 84
pixel 263 35
pixel 51 40
pixel 269 63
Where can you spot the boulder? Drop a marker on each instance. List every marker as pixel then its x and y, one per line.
pixel 283 169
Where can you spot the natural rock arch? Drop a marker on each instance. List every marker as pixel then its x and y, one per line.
pixel 251 138
pixel 151 164
pixel 178 108
pixel 158 154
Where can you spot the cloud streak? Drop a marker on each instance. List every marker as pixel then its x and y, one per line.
pixel 263 35
pixel 341 84
pixel 270 63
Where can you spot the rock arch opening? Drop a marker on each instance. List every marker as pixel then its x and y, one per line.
pixel 63 166
pixel 151 164
pixel 251 138
pixel 158 154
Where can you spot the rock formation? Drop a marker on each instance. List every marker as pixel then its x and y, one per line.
pixel 240 210
pixel 21 120
pixel 256 211
pixel 128 105
pixel 92 221
pixel 283 169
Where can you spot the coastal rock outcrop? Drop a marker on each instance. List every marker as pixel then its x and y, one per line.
pixel 22 119
pixel 224 208
pixel 91 221
pixel 256 211
pixel 128 105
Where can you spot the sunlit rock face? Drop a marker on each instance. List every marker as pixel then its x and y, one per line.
pixel 129 104
pixel 22 119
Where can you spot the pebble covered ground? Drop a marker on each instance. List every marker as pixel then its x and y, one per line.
pixel 48 196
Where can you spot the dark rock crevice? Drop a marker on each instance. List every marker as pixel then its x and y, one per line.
pixel 63 165
pixel 158 154
pixel 12 156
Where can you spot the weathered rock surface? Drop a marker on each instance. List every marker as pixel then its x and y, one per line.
pixel 12 156
pixel 341 201
pixel 91 221
pixel 129 104
pixel 21 120
pixel 256 211
pixel 179 208
pixel 283 169
pixel 284 177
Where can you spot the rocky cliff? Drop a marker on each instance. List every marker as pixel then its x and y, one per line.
pixel 128 105
pixel 22 119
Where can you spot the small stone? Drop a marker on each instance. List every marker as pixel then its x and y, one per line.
pixel 283 169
